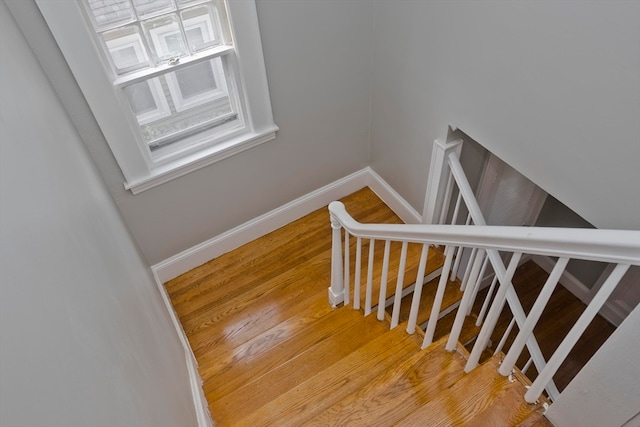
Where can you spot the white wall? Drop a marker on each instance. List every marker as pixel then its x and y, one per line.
pixel 610 382
pixel 318 58
pixel 84 337
pixel 552 88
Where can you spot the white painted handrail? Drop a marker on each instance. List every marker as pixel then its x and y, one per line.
pixel 487 245
pixel 615 246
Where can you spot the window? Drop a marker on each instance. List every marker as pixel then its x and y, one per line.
pixel 175 85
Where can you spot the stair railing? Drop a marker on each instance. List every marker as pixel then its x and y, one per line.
pixel 485 246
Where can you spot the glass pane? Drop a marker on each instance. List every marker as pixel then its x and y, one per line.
pixel 197 84
pixel 148 101
pixel 126 49
pixel 164 37
pixel 110 13
pixel 202 26
pixel 200 98
pixel 149 8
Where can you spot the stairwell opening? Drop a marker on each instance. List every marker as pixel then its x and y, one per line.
pixel 507 197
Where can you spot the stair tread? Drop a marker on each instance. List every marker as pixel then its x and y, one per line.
pixel 337 381
pixel 259 391
pixel 481 397
pixel 452 295
pixel 398 391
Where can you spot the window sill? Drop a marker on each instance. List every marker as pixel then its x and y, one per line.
pixel 188 164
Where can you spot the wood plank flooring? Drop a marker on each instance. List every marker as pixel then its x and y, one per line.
pixel 271 351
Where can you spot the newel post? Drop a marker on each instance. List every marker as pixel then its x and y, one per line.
pixel 439 173
pixel 336 290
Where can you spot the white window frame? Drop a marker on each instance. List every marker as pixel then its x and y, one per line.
pixel 75 38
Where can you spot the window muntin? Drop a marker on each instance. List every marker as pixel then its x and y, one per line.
pixel 173 95
pixel 243 63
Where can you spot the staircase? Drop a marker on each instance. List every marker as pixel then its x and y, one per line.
pixel 272 351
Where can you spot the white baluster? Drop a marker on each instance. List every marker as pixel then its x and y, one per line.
pixel 356 279
pixel 478 282
pixel 506 334
pixel 383 280
pixel 397 300
pixel 467 272
pixel 486 302
pixel 527 365
pixel 575 333
pixel 504 276
pixel 437 302
pixel 456 264
pixel 336 293
pixel 533 317
pixel 347 276
pixel 467 299
pixel 369 290
pixel 447 200
pixel 417 292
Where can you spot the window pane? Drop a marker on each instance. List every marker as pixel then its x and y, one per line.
pixel 126 49
pixel 148 101
pixel 196 80
pixel 202 27
pixel 109 14
pixel 199 96
pixel 149 8
pixel 197 84
pixel 164 37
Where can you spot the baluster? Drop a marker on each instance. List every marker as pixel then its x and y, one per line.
pixel 356 279
pixel 417 291
pixel 369 291
pixel 456 210
pixel 533 317
pixel 575 333
pixel 383 280
pixel 336 293
pixel 462 309
pixel 447 200
pixel 506 334
pixel 527 365
pixel 469 269
pixel 397 300
pixel 476 287
pixel 347 277
pixel 437 302
pixel 456 264
pixel 487 299
pixel 504 276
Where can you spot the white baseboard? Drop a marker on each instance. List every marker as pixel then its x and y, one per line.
pixel 614 313
pixel 392 199
pixel 251 230
pixel 195 381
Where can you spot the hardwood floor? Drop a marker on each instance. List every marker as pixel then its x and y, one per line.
pixel 271 350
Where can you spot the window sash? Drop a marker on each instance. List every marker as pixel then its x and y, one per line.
pixel 67 24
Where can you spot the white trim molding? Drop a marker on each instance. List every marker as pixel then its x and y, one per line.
pixel 199 254
pixel 195 381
